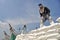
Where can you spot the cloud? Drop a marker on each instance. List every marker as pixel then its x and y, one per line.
pixel 3 24
pixel 19 21
pixel 2 1
pixel 30 12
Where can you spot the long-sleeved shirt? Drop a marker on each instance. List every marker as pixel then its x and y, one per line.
pixel 46 12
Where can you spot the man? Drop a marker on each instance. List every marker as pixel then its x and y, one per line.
pixel 11 29
pixel 44 14
pixel 13 34
pixel 7 37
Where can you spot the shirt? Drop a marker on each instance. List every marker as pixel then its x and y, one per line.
pixel 46 12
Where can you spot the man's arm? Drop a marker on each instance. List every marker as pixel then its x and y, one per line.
pixel 47 11
pixel 10 26
pixel 40 13
pixel 11 29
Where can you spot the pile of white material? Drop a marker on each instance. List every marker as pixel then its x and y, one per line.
pixel 58 19
pixel 51 32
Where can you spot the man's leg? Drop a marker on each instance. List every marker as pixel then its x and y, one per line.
pixel 41 22
pixel 50 20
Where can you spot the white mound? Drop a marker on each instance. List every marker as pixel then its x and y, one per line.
pixel 58 19
pixel 51 32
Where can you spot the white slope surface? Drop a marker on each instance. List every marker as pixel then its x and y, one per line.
pixel 51 32
pixel 58 19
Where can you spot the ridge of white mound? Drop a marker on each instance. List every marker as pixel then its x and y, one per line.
pixel 51 32
pixel 58 19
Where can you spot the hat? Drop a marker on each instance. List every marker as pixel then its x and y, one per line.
pixel 39 4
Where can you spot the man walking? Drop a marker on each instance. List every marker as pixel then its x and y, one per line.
pixel 44 14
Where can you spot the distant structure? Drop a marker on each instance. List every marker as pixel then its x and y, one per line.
pixel 6 36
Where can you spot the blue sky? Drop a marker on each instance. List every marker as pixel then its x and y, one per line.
pixel 19 12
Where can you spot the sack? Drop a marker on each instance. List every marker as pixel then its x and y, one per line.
pixel 12 37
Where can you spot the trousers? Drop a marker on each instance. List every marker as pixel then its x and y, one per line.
pixel 43 19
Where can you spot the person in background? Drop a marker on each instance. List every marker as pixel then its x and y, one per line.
pixel 24 29
pixel 6 36
pixel 13 33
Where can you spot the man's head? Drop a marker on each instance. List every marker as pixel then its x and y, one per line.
pixel 25 26
pixel 40 6
pixel 5 33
